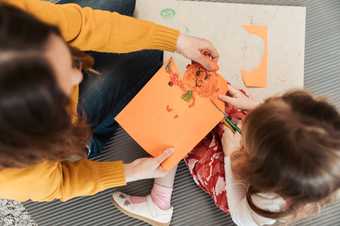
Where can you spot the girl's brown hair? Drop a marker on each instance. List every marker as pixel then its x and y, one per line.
pixel 291 148
pixel 35 123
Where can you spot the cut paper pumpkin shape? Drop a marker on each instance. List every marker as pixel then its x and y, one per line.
pixel 163 114
pixel 258 76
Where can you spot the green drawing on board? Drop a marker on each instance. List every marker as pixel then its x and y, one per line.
pixel 168 13
pixel 187 96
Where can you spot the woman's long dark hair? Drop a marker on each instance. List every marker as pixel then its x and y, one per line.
pixel 35 123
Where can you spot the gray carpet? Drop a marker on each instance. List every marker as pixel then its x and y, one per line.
pixel 13 213
pixel 192 206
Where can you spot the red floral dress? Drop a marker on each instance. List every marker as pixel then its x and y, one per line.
pixel 206 162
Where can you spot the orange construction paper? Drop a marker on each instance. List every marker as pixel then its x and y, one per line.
pixel 161 115
pixel 258 76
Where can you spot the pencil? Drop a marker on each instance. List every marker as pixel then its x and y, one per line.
pixel 227 121
pixel 232 124
pixel 228 125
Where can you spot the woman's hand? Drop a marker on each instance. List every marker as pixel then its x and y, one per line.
pixel 146 168
pixel 231 142
pixel 239 99
pixel 198 50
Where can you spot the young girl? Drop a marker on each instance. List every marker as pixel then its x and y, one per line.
pixel 283 167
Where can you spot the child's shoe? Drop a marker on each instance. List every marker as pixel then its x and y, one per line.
pixel 145 211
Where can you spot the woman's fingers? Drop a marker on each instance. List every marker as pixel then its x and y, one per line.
pixel 166 154
pixel 145 168
pixel 210 51
pixel 209 56
pixel 207 63
pixel 198 50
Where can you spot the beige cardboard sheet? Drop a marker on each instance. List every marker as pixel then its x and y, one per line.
pixel 240 50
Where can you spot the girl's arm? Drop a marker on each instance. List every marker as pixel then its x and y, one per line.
pixel 239 208
pixel 240 99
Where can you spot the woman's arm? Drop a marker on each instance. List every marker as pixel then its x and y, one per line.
pixel 51 180
pixel 104 31
pixel 99 30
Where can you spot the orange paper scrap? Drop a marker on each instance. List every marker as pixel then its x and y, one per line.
pixel 174 112
pixel 258 76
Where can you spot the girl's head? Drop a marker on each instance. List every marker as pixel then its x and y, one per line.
pixel 36 79
pixel 291 148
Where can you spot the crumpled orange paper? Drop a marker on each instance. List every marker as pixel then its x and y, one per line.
pixel 173 112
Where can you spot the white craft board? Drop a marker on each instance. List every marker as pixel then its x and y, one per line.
pixel 221 23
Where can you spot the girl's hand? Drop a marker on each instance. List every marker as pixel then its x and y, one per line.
pixel 231 142
pixel 239 99
pixel 146 168
pixel 199 50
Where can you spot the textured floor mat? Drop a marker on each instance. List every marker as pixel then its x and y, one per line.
pixel 192 206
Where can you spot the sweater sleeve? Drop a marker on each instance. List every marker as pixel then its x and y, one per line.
pixel 51 180
pixel 87 177
pixel 99 30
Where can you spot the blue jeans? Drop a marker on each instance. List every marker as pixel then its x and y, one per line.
pixel 125 7
pixel 103 97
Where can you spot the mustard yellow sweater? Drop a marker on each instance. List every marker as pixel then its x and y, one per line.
pixel 86 29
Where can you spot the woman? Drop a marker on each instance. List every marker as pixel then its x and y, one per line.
pixel 46 121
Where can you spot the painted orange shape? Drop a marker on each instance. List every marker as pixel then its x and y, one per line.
pixel 168 108
pixel 258 76
pixel 202 83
